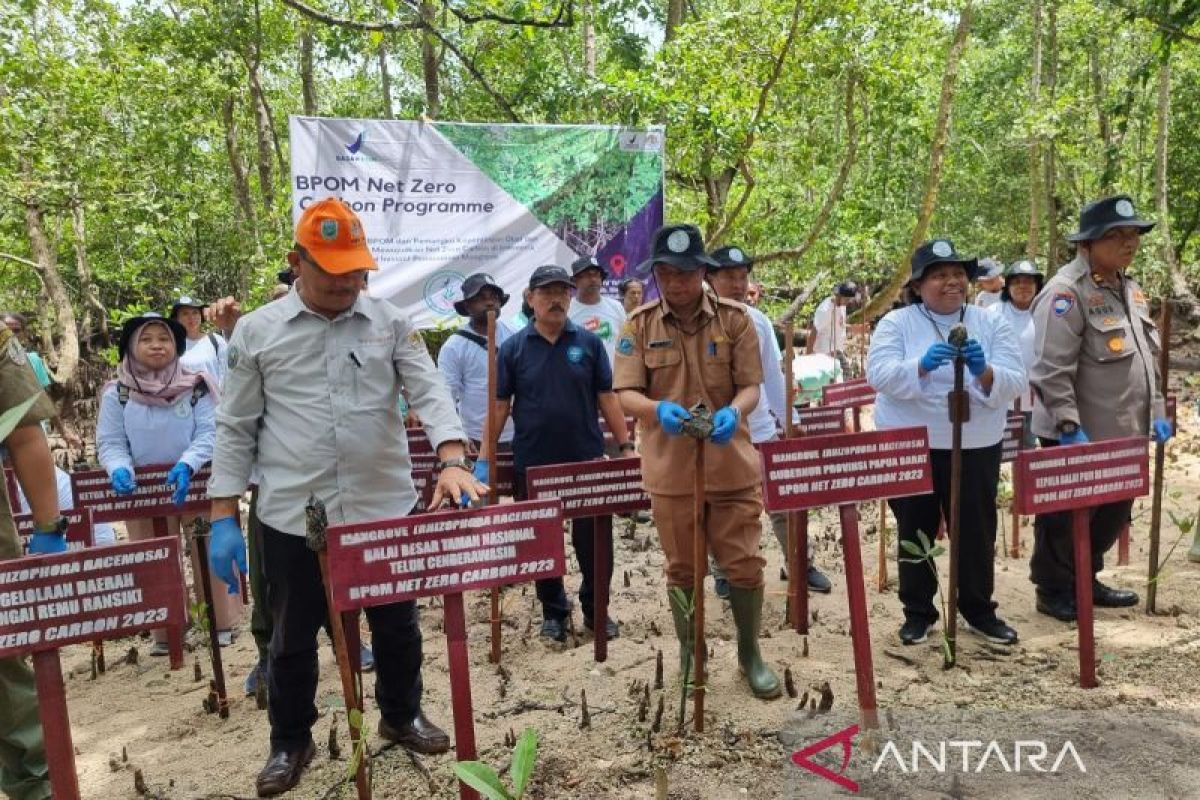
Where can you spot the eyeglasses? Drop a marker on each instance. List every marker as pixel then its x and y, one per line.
pixel 1122 234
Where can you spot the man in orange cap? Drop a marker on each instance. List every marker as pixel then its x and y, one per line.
pixel 312 394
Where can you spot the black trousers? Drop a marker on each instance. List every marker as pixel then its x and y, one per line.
pixel 1052 566
pixel 297 601
pixel 551 591
pixel 976 538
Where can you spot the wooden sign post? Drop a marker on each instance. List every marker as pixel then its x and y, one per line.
pixel 843 470
pixel 92 489
pixel 49 602
pixel 1013 443
pixel 852 394
pixel 596 489
pixel 1076 478
pixel 796 556
pixel 1160 462
pixel 445 553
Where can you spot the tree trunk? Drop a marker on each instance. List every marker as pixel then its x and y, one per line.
pixel 87 286
pixel 1033 241
pixel 385 79
pixel 1054 250
pixel 675 9
pixel 1180 291
pixel 1103 122
pixel 309 86
pixel 429 62
pixel 237 167
pixel 933 179
pixel 589 39
pixel 266 155
pixel 64 359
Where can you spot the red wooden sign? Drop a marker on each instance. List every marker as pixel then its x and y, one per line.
pixel 418 441
pixel 93 489
pixel 424 481
pixel 48 602
pixel 848 394
pixel 375 563
pixel 1082 475
pixel 79 528
pixel 819 420
pixel 820 471
pixel 591 488
pixel 1014 438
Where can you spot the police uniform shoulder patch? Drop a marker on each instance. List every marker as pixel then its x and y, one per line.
pixel 1061 303
pixel 625 344
pixel 233 355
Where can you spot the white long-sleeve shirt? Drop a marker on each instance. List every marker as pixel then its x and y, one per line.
pixel 771 399
pixel 137 434
pixel 1021 323
pixel 905 399
pixel 316 402
pixel 201 356
pixel 463 364
pixel 830 322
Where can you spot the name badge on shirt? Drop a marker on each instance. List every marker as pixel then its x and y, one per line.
pixel 660 343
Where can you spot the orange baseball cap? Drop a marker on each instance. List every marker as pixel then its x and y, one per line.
pixel 333 235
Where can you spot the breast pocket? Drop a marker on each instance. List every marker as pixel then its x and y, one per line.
pixel 372 375
pixel 1150 328
pixel 664 370
pixel 1109 340
pixel 718 370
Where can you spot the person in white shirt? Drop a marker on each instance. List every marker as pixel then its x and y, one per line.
pixel 462 360
pixel 989 282
pixel 1022 282
pixel 205 352
pixel 911 366
pixel 591 310
pixel 827 334
pixel 730 279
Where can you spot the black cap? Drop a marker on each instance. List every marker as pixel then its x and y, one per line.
pixel 131 325
pixel 549 274
pixel 940 251
pixel 1022 267
pixel 731 256
pixel 846 289
pixel 681 246
pixel 473 285
pixel 989 268
pixel 1100 216
pixel 186 302
pixel 584 263
pixel 286 276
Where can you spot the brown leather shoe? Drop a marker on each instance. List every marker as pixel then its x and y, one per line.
pixel 419 735
pixel 283 770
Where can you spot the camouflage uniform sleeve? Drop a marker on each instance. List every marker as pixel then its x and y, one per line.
pixel 18 382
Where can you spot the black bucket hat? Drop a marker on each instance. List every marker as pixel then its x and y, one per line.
pixel 584 263
pixel 1100 216
pixel 846 289
pixel 1017 269
pixel 473 285
pixel 940 251
pixel 730 256
pixel 131 326
pixel 681 246
pixel 186 302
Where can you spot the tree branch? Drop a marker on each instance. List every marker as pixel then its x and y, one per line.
pixel 344 22
pixel 800 299
pixel 835 191
pixel 19 260
pixel 557 22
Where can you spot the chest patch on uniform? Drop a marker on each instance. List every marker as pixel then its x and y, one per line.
pixel 660 343
pixel 625 345
pixel 1097 299
pixel 1101 309
pixel 575 354
pixel 1062 303
pixel 1109 321
pixel 1116 344
pixel 233 356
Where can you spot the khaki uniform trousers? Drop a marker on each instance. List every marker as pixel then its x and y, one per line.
pixel 732 530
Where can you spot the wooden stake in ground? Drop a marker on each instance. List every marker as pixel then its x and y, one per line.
pixel 174 632
pixel 1160 460
pixel 200 529
pixel 699 426
pixel 881 573
pixel 317 522
pixel 959 414
pixel 491 437
pixel 796 556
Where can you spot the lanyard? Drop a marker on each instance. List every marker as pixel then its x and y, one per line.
pixel 962 313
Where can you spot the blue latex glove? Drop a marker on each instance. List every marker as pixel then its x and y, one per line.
pixel 226 548
pixel 671 416
pixel 122 481
pixel 44 544
pixel 972 353
pixel 725 423
pixel 1078 437
pixel 179 478
pixel 1163 429
pixel 481 474
pixel 938 354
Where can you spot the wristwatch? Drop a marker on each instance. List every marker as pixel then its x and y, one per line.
pixel 460 461
pixel 1068 427
pixel 59 526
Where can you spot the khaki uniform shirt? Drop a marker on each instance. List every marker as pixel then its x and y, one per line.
pixel 17 384
pixel 1095 356
pixel 704 359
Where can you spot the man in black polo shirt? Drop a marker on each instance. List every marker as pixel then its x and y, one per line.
pixel 556 380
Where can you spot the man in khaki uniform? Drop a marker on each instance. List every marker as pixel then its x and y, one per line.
pixel 23 773
pixel 1095 377
pixel 688 347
